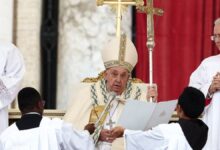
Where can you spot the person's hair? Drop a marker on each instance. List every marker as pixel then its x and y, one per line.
pixel 28 98
pixel 217 21
pixel 192 102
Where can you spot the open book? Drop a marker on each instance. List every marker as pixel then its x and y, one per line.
pixel 142 115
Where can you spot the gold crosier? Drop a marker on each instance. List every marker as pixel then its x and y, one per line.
pixel 150 11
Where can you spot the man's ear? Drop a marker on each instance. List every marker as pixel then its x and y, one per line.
pixel 40 104
pixel 105 74
pixel 179 109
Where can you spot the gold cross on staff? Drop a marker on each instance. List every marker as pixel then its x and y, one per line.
pixel 119 4
pixel 150 11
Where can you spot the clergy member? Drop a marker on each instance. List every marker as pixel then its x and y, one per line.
pixel 11 73
pixel 120 57
pixel 189 133
pixel 34 132
pixel 207 78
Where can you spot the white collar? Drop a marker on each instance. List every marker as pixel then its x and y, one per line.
pixel 30 113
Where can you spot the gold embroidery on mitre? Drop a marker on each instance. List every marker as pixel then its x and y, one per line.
pixel 122 49
pixel 114 63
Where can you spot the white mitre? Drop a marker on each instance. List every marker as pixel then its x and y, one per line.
pixel 120 52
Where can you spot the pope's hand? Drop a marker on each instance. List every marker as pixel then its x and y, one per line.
pixel 106 136
pixel 152 92
pixel 117 132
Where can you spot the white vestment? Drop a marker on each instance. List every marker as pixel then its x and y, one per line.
pixel 94 94
pixel 50 135
pixel 201 79
pixel 161 137
pixel 11 73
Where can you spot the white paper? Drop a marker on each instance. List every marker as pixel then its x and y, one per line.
pixel 143 115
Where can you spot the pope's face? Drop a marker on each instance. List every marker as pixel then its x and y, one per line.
pixel 116 78
pixel 217 33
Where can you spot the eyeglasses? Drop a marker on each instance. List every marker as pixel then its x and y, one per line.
pixel 215 37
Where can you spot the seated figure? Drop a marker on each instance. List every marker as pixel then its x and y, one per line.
pixel 120 57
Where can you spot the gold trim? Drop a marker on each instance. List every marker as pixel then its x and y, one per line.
pixel 114 63
pixel 94 79
pixel 95 114
pixel 139 3
pixel 101 76
pixel 151 10
pixel 122 50
pixel 136 80
pixel 99 2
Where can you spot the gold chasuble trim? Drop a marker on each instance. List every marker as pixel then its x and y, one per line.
pixel 95 114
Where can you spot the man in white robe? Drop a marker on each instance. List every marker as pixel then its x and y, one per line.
pixel 207 78
pixel 11 73
pixel 120 57
pixel 34 132
pixel 188 134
